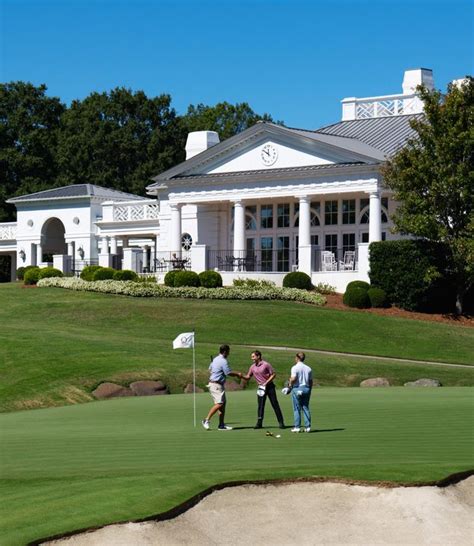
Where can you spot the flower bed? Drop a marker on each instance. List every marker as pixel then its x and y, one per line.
pixel 130 288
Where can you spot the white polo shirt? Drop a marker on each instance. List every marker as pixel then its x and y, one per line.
pixel 303 374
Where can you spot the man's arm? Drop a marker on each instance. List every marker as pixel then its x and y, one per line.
pixel 270 379
pixel 292 380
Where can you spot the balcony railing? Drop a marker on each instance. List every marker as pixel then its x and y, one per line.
pixel 136 211
pixel 168 261
pixel 8 231
pixel 334 259
pixel 270 261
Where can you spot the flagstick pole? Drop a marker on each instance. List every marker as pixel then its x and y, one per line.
pixel 194 379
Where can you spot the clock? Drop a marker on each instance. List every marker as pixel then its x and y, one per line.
pixel 269 154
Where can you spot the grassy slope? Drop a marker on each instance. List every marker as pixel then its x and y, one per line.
pixel 102 462
pixel 56 345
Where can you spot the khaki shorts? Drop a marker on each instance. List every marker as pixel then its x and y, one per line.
pixel 217 392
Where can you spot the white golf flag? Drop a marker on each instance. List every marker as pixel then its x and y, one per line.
pixel 184 341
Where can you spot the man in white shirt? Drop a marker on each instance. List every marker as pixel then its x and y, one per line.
pixel 301 383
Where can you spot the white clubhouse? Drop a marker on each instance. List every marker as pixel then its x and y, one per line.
pixel 267 201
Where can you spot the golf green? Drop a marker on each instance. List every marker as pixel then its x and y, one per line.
pixel 81 466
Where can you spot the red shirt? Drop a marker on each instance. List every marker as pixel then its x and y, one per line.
pixel 261 371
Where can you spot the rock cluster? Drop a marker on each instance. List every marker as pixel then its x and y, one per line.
pixel 137 388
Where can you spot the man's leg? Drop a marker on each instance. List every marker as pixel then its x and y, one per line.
pixel 215 408
pixel 296 409
pixel 271 392
pixel 305 407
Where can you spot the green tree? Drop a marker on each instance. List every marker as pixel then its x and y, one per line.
pixel 224 118
pixel 119 140
pixel 433 179
pixel 29 126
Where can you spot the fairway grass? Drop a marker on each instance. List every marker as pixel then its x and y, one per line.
pixel 75 467
pixel 57 345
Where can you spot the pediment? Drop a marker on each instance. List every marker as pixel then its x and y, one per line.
pixel 292 147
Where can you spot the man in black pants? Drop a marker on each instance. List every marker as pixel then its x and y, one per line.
pixel 264 376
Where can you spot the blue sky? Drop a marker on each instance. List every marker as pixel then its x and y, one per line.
pixel 292 59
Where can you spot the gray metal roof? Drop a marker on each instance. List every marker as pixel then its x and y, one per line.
pixel 75 191
pixel 387 134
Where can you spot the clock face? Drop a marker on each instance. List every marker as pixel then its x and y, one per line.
pixel 269 154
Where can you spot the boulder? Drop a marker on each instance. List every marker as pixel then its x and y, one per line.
pixel 148 388
pixel 111 390
pixel 423 383
pixel 233 386
pixel 375 382
pixel 189 389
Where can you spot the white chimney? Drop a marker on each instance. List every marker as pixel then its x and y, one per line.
pixel 418 76
pixel 200 141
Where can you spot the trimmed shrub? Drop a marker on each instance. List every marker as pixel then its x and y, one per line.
pixel 297 279
pixel 125 275
pixel 415 274
pixel 169 277
pixel 210 279
pixel 32 275
pixel 103 274
pixel 356 297
pixel 358 284
pixel 377 297
pixel 87 274
pixel 20 272
pixel 186 278
pixel 47 272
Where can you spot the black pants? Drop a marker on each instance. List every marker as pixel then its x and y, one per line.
pixel 271 393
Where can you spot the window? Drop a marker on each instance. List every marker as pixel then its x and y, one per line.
pixel 315 212
pixel 348 241
pixel 363 203
pixel 330 213
pixel 283 254
pixel 365 237
pixel 315 240
pixel 283 216
pixel 186 241
pixel 266 244
pixel 251 218
pixel 331 242
pixel 266 216
pixel 348 211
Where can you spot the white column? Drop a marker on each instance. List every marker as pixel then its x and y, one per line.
pixel 375 225
pixel 105 246
pixel 113 245
pixel 304 236
pixel 175 230
pixel 39 254
pixel 144 257
pixel 70 249
pixel 239 229
pixel 304 230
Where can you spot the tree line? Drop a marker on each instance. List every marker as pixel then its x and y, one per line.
pixel 117 139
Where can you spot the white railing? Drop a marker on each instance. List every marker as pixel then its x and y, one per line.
pixel 377 107
pixel 134 212
pixel 8 231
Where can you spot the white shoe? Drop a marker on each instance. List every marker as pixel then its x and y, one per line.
pixel 205 424
pixel 307 429
pixel 296 429
pixel 224 427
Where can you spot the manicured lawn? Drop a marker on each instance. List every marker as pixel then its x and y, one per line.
pixel 57 345
pixel 87 465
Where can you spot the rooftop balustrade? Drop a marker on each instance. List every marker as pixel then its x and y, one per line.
pixel 8 231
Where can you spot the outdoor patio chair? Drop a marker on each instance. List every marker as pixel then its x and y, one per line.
pixel 328 262
pixel 347 264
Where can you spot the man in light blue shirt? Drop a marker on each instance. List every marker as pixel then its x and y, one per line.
pixel 301 382
pixel 219 370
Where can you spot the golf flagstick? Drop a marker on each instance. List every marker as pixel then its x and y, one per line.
pixel 186 341
pixel 194 377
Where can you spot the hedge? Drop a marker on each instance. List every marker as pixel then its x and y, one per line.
pixel 47 272
pixel 32 275
pixel 186 278
pixel 169 277
pixel 20 272
pixel 130 288
pixel 103 274
pixel 415 274
pixel 356 297
pixel 125 275
pixel 210 279
pixel 297 279
pixel 377 297
pixel 87 274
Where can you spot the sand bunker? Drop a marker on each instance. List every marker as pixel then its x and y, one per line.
pixel 308 513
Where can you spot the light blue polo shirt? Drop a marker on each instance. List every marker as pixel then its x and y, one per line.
pixel 219 369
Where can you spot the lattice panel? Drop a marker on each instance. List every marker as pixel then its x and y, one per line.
pixel 120 214
pixel 365 110
pixel 152 211
pixel 137 212
pixel 7 233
